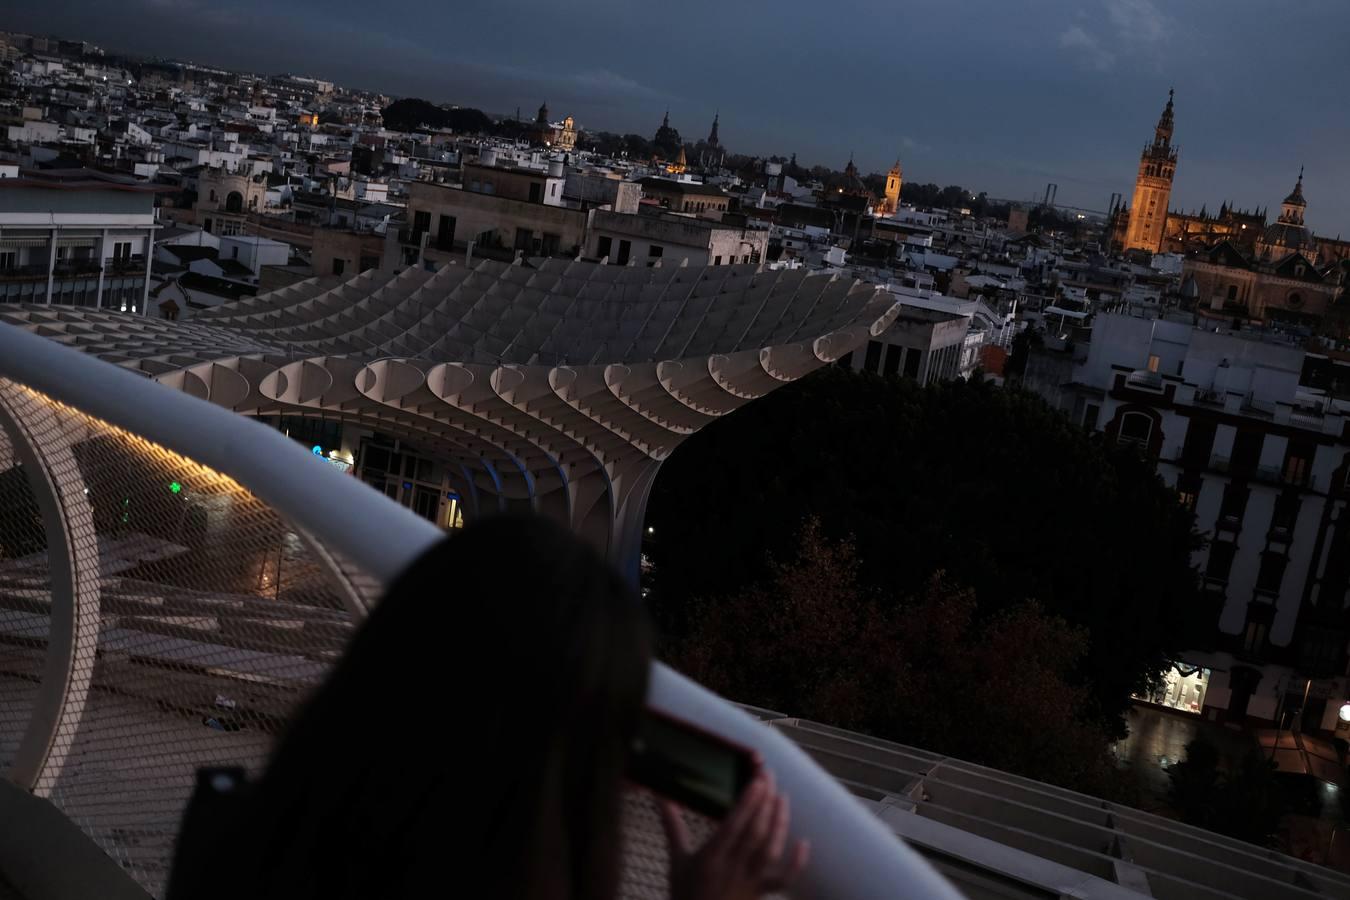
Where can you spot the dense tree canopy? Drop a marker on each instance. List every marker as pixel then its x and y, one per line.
pixel 993 487
pixel 812 640
pixel 411 114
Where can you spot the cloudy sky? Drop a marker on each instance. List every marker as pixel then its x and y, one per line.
pixel 995 95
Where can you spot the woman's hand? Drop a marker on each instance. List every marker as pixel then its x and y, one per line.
pixel 745 858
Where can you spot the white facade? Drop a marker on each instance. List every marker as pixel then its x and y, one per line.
pixel 1263 462
pixel 254 252
pixel 73 239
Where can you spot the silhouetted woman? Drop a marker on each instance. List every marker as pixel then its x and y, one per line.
pixel 472 741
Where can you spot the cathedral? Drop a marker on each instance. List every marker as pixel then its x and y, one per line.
pixel 561 135
pixel 1147 216
pixel 1275 279
pixel 1148 224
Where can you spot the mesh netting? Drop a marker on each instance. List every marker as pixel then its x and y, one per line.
pixel 646 857
pixel 201 618
pixel 25 601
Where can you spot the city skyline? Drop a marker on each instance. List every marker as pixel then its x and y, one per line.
pixel 1090 83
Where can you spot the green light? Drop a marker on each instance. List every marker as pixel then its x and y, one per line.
pixel 175 487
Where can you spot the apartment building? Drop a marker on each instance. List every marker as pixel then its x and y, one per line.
pixel 1255 437
pixel 76 237
pixel 653 235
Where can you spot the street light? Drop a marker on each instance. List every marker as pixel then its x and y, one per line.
pixel 1344 713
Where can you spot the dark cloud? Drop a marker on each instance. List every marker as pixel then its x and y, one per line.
pixel 996 96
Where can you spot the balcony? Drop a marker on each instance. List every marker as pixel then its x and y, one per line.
pixel 83 268
pixel 411 237
pixel 131 265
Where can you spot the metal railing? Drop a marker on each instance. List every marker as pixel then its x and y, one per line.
pixel 174 576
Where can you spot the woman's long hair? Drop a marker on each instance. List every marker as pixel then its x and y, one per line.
pixel 471 741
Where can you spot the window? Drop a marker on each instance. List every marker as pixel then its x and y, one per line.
pixel 745 258
pixel 553 189
pixel 122 251
pixel 894 355
pixel 213 195
pixel 1295 300
pixel 603 245
pixel 1153 362
pixel 872 361
pixel 8 259
pixel 1221 555
pixel 625 251
pixel 912 362
pixel 234 252
pixel 1298 463
pixel 1271 573
pixel 536 192
pixel 234 202
pixel 717 260
pixel 1199 444
pixel 1232 292
pixel 550 244
pixel 421 225
pixel 1090 415
pixel 1286 512
pixel 655 251
pixel 1246 452
pixel 523 238
pixel 1234 502
pixel 1254 639
pixel 339 265
pixel 445 233
pixel 1136 428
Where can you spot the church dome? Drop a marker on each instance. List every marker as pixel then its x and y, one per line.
pixel 1288 238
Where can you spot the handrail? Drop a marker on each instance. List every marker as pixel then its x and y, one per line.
pixel 271 465
pixel 854 855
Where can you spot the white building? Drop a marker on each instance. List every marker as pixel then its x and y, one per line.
pixel 76 237
pixel 254 252
pixel 1262 456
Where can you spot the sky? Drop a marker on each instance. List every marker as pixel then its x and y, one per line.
pixel 1003 96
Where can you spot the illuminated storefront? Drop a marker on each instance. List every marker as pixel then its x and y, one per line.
pixel 1182 688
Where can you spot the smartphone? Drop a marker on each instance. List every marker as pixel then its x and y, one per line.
pixel 695 768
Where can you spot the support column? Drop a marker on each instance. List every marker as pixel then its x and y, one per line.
pixel 149 260
pixel 102 264
pixel 43 444
pixel 630 513
pixel 51 264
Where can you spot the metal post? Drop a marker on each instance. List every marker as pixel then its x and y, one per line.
pixel 51 264
pixel 149 261
pixel 102 264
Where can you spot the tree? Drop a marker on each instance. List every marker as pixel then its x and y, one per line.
pixel 994 487
pixel 412 113
pixel 925 670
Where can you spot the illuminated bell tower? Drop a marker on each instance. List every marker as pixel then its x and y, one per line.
pixel 891 201
pixel 1153 188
